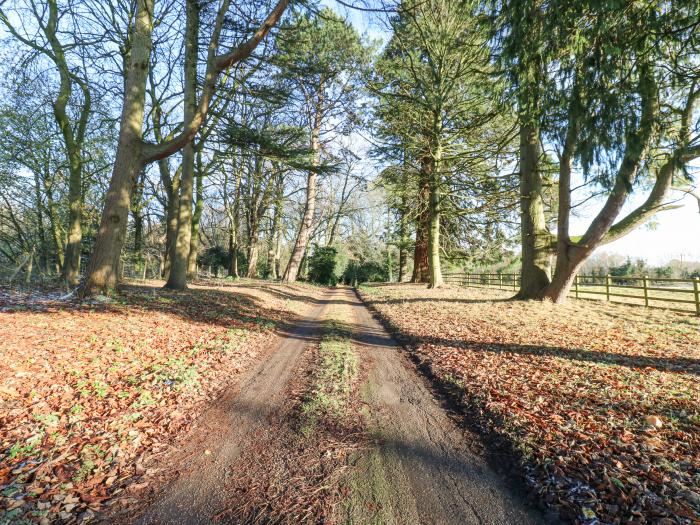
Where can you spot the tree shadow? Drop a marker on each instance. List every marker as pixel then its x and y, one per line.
pixel 664 364
pixel 689 365
pixel 401 300
pixel 409 300
pixel 252 428
pixel 288 292
pixel 200 304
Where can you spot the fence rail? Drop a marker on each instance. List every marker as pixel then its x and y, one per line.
pixel 645 290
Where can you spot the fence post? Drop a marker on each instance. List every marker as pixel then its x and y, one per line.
pixel 696 288
pixel 512 278
pixel 500 281
pixel 607 287
pixel 576 285
pixel 646 290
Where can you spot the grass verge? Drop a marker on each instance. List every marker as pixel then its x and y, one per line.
pixel 334 377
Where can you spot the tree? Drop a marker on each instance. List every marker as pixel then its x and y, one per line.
pixel 617 105
pixel 435 95
pixel 133 153
pixel 72 77
pixel 320 56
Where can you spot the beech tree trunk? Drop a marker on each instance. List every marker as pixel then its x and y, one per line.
pixel 137 215
pixel 232 253
pixel 172 189
pixel 253 235
pixel 103 270
pixel 273 248
pixel 196 218
pixel 39 217
pixel 54 221
pixel 179 255
pixel 71 267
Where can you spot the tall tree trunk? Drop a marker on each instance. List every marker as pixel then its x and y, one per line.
pixel 569 258
pixel 421 269
pixel 138 232
pixel 272 253
pixel 235 228
pixel 403 240
pixel 432 165
pixel 196 218
pixel 304 266
pixel 302 240
pixel 253 238
pixel 172 193
pixel 307 220
pixel 54 221
pixel 341 205
pixel 137 215
pixel 252 256
pixel 278 262
pixel 179 255
pixel 39 212
pixel 71 268
pixel 535 238
pixel 232 253
pixel 271 256
pixel 103 271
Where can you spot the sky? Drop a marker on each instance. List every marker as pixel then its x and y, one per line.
pixel 674 234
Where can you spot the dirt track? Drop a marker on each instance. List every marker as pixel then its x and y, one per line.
pixel 424 470
pixel 421 470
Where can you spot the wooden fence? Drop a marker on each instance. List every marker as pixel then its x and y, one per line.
pixel 681 295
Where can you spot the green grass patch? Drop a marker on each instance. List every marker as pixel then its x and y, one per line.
pixel 336 371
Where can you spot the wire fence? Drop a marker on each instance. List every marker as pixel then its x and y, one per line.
pixel 682 295
pixel 141 270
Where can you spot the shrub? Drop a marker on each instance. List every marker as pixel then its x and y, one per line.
pixel 322 265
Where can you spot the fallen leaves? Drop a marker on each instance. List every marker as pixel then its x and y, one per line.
pixel 600 403
pixel 88 391
pixel 654 421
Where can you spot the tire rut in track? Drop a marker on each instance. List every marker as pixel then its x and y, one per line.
pixel 422 470
pixel 200 492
